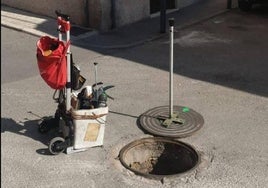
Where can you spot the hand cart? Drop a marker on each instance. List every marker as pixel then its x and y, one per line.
pixel 79 127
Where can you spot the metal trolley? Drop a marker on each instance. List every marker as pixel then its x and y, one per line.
pixel 70 121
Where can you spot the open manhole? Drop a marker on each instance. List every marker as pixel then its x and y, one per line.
pixel 159 157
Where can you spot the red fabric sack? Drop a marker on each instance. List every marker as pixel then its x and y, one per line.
pixel 51 59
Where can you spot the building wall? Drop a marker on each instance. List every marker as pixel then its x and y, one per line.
pixel 99 14
pixel 94 13
pixel 131 11
pixel 185 3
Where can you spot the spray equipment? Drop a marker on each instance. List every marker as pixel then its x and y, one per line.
pixel 99 91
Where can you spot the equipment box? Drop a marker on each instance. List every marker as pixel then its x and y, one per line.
pixel 89 126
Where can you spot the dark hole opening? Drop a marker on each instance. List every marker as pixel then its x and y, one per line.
pixel 160 158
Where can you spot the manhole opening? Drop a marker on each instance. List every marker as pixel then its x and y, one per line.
pixel 158 157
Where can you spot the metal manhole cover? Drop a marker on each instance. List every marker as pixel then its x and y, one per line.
pixel 159 157
pixel 188 122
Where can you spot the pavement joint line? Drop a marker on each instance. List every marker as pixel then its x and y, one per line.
pixel 85 35
pixel 202 19
pixel 160 35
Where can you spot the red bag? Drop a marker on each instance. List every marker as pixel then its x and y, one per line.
pixel 51 59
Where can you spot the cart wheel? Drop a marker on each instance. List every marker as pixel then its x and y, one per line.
pixel 43 127
pixel 54 146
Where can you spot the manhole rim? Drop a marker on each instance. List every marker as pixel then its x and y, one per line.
pixel 134 143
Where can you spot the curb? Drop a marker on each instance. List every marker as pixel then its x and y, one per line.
pixel 160 35
pixel 37 33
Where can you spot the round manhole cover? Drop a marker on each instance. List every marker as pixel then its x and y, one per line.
pixel 185 123
pixel 159 157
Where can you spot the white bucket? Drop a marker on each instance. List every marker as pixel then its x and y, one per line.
pixel 89 126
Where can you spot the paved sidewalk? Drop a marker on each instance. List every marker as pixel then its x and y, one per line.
pixel 127 36
pixel 220 71
pixel 25 21
pixel 34 24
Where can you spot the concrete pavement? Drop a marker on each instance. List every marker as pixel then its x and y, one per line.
pixel 220 67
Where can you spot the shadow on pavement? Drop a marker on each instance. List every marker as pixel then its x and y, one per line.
pixel 28 128
pixel 229 50
pixel 232 48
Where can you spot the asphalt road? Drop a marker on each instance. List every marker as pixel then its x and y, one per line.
pixel 220 68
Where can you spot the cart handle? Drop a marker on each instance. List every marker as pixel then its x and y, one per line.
pixel 64 16
pixel 63 22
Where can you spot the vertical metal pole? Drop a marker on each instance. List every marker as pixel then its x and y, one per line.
pixel 171 30
pixel 162 16
pixel 113 14
pixel 96 81
pixel 229 4
pixel 68 89
pixel 59 33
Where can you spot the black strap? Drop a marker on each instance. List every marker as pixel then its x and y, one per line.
pixel 64 16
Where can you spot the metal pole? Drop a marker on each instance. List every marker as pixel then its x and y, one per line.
pixel 229 4
pixel 68 93
pixel 59 33
pixel 96 82
pixel 171 24
pixel 163 16
pixel 113 14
